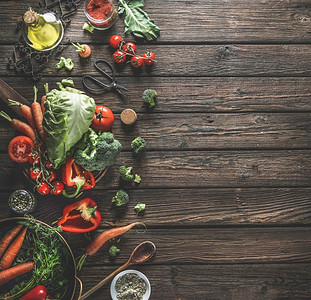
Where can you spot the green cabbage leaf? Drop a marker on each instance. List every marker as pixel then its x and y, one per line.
pixel 67 116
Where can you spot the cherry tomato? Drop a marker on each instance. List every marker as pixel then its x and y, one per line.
pixel 49 165
pixel 137 61
pixel 43 188
pixel 58 188
pixel 33 158
pixel 35 173
pixel 103 119
pixel 115 41
pixel 119 57
pixel 149 58
pixel 129 48
pixel 19 148
pixel 52 176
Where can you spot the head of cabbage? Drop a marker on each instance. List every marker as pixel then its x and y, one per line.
pixel 67 116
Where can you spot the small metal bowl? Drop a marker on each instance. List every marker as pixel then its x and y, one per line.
pixel 113 291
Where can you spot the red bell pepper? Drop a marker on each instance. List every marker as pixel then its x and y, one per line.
pixel 37 293
pixel 81 216
pixel 76 176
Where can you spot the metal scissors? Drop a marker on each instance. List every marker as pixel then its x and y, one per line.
pixel 112 85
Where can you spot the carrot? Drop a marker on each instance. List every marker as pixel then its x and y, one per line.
pixel 25 110
pixel 46 88
pixel 83 50
pixel 101 239
pixel 37 114
pixel 15 271
pixel 12 251
pixel 8 238
pixel 20 126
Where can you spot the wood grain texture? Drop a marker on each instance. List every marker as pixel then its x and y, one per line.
pixel 214 282
pixel 195 60
pixel 199 131
pixel 202 21
pixel 186 169
pixel 215 94
pixel 191 207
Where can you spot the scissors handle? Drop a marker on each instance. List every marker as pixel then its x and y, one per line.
pixel 99 69
pixel 96 81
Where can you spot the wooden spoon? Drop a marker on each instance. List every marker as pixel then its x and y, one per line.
pixel 140 254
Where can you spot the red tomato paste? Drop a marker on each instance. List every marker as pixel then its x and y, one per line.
pixel 99 9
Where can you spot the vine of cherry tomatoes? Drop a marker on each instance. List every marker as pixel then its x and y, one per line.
pixel 128 49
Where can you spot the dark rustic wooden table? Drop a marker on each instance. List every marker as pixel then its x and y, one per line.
pixel 226 174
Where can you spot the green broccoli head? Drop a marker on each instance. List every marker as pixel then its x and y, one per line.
pixel 120 198
pixel 100 151
pixel 138 144
pixel 149 97
pixel 114 251
pixel 126 173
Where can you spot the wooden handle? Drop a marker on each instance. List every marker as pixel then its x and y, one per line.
pixel 101 283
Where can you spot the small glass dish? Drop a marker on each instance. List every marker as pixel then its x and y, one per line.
pixel 22 202
pixel 101 24
pixel 113 291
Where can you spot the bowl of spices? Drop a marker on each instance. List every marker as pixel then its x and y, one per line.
pixel 102 14
pixel 130 284
pixel 22 202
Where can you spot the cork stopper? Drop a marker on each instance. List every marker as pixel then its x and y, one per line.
pixel 128 116
pixel 30 17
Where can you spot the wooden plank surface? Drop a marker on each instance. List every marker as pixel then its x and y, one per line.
pixel 213 282
pixel 195 60
pixel 252 21
pixel 226 174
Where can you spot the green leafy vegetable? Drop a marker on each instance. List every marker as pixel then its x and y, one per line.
pixel 137 178
pixel 67 116
pixel 138 144
pixel 114 251
pixel 65 62
pixel 139 207
pixel 50 256
pixel 126 173
pixel 120 198
pixel 97 151
pixel 136 20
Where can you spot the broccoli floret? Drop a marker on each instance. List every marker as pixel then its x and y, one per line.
pixel 137 178
pixel 100 151
pixel 114 251
pixel 139 207
pixel 138 144
pixel 120 198
pixel 126 173
pixel 149 97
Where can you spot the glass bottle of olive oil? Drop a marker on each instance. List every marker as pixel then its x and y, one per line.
pixel 42 32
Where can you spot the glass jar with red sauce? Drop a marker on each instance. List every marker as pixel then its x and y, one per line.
pixel 102 14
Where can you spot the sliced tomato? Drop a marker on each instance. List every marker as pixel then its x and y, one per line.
pixel 19 148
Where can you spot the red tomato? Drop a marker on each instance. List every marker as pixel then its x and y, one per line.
pixel 119 57
pixel 49 165
pixel 58 188
pixel 115 41
pixel 43 188
pixel 137 61
pixel 52 176
pixel 149 58
pixel 35 173
pixel 33 158
pixel 103 118
pixel 19 148
pixel 129 48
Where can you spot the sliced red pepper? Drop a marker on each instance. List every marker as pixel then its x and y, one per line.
pixel 81 216
pixel 76 176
